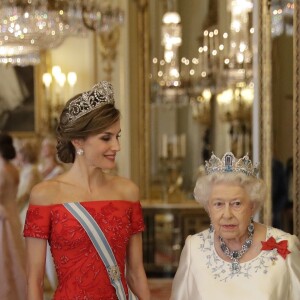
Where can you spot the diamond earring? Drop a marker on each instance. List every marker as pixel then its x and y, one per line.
pixel 79 151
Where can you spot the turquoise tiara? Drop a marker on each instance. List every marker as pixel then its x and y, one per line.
pixel 229 163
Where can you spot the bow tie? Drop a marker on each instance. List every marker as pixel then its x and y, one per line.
pixel 282 247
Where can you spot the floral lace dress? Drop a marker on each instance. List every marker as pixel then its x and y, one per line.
pixel 203 275
pixel 81 273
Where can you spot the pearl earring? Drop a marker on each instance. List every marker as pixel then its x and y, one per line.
pixel 79 151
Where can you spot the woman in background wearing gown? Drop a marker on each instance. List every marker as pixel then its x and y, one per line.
pixel 27 157
pixel 49 167
pixel 88 137
pixel 12 250
pixel 236 258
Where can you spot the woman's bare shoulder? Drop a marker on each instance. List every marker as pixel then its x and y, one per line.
pixel 44 192
pixel 126 187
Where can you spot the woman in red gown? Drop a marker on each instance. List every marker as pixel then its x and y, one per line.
pixel 88 137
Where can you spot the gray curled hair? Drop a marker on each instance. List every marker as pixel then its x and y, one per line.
pixel 255 188
pixel 94 122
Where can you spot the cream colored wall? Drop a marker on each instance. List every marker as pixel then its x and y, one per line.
pixel 77 54
pixel 121 80
pixel 82 56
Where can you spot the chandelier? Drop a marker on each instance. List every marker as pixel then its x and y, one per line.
pixel 235 102
pixel 282 17
pixel 29 26
pixel 171 40
pixel 224 61
pixel 224 57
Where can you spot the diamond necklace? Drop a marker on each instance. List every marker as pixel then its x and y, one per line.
pixel 236 255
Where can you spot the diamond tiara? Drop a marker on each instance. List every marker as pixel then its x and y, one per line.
pixel 229 163
pixel 102 93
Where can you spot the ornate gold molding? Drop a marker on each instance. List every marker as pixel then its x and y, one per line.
pixel 265 104
pixel 140 95
pixel 108 43
pixel 296 120
pixel 266 109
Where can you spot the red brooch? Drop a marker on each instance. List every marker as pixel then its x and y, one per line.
pixel 281 247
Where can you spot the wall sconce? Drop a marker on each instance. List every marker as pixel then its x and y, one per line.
pixel 56 92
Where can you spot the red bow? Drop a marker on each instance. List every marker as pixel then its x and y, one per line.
pixel 281 247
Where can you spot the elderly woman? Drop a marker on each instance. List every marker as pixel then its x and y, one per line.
pixel 236 258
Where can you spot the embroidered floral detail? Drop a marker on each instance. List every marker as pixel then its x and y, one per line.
pixel 36 224
pixel 221 270
pixel 81 272
pixel 64 259
pixel 281 247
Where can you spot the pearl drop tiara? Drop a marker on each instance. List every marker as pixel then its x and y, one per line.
pixel 102 93
pixel 229 163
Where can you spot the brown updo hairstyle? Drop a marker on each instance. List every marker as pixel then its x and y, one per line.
pixel 7 149
pixel 94 122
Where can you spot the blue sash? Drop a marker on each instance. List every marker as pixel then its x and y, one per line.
pixel 102 246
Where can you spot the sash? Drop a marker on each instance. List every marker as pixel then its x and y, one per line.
pixel 102 246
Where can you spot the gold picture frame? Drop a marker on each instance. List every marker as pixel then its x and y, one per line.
pixel 21 100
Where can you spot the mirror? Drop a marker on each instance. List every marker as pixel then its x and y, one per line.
pixel 296 121
pixel 201 90
pixel 141 62
pixel 268 109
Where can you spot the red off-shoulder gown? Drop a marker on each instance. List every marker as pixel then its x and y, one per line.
pixel 81 273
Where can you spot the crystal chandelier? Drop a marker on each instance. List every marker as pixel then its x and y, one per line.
pixel 225 57
pixel 166 77
pixel 240 54
pixel 171 40
pixel 28 26
pixel 224 61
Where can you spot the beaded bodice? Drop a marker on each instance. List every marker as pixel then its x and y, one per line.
pixel 81 273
